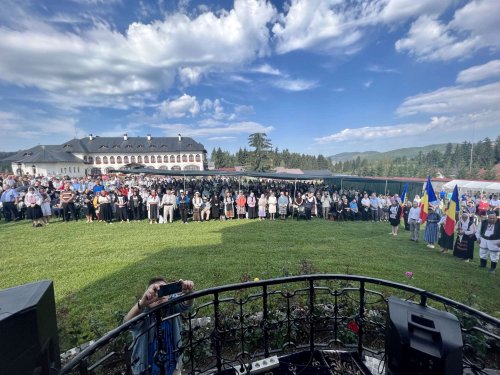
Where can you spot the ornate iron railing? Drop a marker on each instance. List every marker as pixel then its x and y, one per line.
pixel 232 326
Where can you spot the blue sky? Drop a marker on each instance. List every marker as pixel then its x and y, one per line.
pixel 323 76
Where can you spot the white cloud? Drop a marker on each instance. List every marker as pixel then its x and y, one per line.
pixel 22 131
pixel 473 27
pixel 380 69
pixel 480 72
pixel 183 106
pixel 100 61
pixel 295 84
pixel 267 69
pixel 237 128
pixel 399 10
pixel 368 84
pixel 317 25
pixel 453 100
pixel 221 139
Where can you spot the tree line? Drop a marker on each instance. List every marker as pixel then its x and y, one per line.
pixel 464 160
pixel 454 162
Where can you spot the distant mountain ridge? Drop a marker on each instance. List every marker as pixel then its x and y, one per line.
pixel 409 152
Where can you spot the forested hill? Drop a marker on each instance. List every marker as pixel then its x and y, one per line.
pixel 409 152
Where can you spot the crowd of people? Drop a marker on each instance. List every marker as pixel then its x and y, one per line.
pixel 130 198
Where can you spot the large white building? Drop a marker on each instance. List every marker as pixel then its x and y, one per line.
pixel 95 155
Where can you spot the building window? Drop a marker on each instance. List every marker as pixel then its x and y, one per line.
pixel 128 146
pixel 61 170
pixel 105 160
pixel 65 170
pixel 125 159
pixel 111 160
pixel 146 159
pixel 132 159
pixel 153 160
pixel 178 158
pixel 163 167
pixel 198 158
pixel 91 160
pixel 192 168
pixel 118 160
pixel 172 158
pixel 85 158
pixel 139 159
pixel 191 158
pixel 158 159
pixel 184 158
pixel 176 168
pixel 78 169
pixel 165 159
pixel 98 160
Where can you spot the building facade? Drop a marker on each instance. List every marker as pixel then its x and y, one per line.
pixel 99 155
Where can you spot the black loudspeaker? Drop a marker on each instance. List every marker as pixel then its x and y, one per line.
pixel 421 340
pixel 29 342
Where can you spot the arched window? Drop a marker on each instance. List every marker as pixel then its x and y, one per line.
pixel 192 168
pixel 98 160
pixel 139 159
pixel 163 167
pixel 184 158
pixel 158 159
pixel 85 158
pixel 146 159
pixel 105 160
pixel 132 159
pixel 118 160
pixel 125 159
pixel 153 160
pixel 176 168
pixel 191 158
pixel 172 158
pixel 178 158
pixel 91 159
pixel 165 158
pixel 111 160
pixel 198 158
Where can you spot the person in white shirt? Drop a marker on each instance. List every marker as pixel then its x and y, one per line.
pixel 168 202
pixel 488 238
pixel 414 220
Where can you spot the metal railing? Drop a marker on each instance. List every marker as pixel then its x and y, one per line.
pixel 234 325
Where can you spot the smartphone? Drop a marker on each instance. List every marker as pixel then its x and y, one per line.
pixel 169 289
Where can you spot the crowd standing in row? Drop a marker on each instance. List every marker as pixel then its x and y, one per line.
pixel 163 200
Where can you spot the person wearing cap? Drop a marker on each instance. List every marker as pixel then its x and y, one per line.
pixel 183 204
pixel 197 203
pixel 488 238
pixel 168 202
pixel 431 227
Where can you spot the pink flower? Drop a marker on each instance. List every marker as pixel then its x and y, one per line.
pixel 409 274
pixel 353 326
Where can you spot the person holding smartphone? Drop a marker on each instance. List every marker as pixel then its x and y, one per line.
pixel 150 353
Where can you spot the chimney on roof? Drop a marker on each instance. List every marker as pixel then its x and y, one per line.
pixel 91 136
pixel 180 138
pixel 125 136
pixel 149 137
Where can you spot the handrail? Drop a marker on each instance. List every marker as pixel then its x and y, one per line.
pixel 216 292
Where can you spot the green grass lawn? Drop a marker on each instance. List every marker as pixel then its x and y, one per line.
pixel 100 270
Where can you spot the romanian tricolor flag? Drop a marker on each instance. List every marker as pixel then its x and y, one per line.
pixel 453 208
pixel 403 197
pixel 429 197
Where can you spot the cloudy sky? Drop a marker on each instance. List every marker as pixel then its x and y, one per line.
pixel 322 76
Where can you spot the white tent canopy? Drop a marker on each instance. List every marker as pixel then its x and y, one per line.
pixel 465 186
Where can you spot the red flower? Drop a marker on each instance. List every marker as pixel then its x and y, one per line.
pixel 353 326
